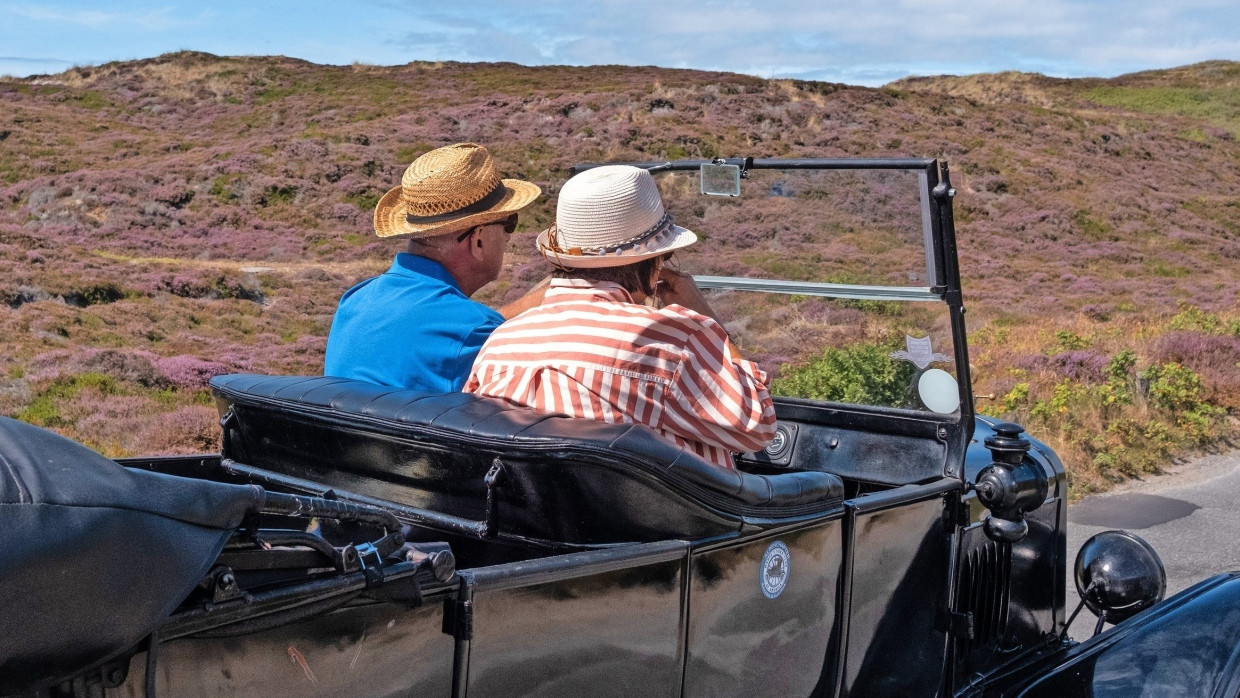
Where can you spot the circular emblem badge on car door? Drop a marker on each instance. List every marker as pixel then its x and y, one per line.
pixel 776 565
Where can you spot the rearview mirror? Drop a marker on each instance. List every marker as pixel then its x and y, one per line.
pixel 721 180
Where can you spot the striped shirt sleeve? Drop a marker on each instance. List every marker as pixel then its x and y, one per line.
pixel 715 399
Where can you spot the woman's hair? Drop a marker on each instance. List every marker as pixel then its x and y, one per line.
pixel 630 277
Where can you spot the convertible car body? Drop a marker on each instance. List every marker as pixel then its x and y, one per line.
pixel 358 540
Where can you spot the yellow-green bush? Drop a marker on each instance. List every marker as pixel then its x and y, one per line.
pixel 861 374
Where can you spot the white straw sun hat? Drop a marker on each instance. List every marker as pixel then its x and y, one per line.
pixel 610 216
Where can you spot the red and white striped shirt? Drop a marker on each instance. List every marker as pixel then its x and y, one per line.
pixel 590 351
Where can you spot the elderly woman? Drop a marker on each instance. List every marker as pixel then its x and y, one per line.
pixel 596 348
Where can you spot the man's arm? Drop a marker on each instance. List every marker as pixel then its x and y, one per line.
pixel 532 299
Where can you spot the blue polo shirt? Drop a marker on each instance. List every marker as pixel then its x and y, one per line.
pixel 409 327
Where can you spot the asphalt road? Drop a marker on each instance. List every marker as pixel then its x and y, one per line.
pixel 1190 514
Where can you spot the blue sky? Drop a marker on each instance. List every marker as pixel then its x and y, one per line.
pixel 861 42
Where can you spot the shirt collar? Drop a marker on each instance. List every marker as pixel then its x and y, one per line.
pixel 412 265
pixel 564 289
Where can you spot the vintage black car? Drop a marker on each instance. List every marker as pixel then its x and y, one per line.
pixel 357 540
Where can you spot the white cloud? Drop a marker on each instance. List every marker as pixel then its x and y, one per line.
pixel 21 65
pixel 157 19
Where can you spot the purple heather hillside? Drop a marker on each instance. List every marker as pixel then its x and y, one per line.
pixel 166 220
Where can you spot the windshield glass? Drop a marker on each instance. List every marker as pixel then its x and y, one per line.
pixel 839 226
pixel 862 324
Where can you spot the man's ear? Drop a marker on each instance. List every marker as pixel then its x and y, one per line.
pixel 476 248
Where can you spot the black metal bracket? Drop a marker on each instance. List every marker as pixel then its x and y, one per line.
pixel 493 479
pixel 943 191
pixel 958 625
pixel 90 683
pixel 224 586
pixel 958 512
pixel 227 418
pixel 458 619
pixel 743 163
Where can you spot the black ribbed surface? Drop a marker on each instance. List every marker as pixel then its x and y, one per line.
pixel 984 591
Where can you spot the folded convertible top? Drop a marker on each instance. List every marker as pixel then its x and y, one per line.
pixel 93 555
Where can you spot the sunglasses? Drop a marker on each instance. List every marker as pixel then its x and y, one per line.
pixel 509 223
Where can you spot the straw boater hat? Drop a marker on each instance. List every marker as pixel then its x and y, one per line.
pixel 610 216
pixel 450 189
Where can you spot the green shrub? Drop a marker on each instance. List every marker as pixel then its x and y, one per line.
pixel 1092 227
pixel 364 202
pixel 1120 366
pixel 44 410
pixel 222 188
pixel 274 195
pixel 1068 399
pixel 1218 105
pixel 1172 386
pixel 860 374
pixel 91 99
pixel 1194 318
pixel 1016 397
pixel 1131 448
pixel 1177 389
pixel 1118 389
pixel 1070 341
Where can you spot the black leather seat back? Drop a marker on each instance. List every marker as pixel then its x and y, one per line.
pixel 565 480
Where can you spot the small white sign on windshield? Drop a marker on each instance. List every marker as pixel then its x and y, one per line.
pixel 920 351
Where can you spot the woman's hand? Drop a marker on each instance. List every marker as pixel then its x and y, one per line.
pixel 677 287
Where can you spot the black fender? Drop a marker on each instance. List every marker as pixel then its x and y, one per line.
pixel 1188 645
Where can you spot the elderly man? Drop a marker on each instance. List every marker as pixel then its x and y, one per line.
pixel 415 326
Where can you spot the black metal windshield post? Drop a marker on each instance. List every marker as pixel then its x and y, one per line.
pixel 942 195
